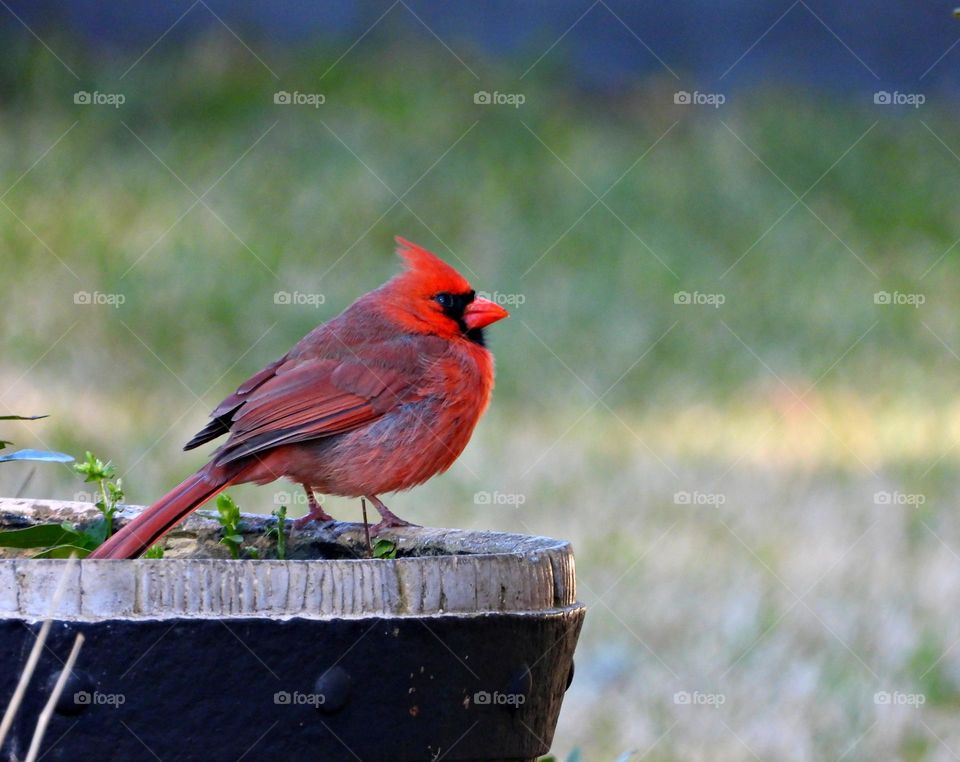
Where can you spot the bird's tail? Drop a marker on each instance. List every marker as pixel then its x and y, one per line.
pixel 164 514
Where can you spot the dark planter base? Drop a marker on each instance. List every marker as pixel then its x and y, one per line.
pixel 399 688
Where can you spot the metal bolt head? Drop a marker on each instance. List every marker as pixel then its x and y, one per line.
pixel 520 684
pixel 77 692
pixel 336 687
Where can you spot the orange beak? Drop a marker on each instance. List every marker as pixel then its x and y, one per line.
pixel 482 312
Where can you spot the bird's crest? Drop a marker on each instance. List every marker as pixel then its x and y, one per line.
pixel 429 270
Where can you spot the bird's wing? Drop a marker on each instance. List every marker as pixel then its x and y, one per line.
pixel 223 414
pixel 320 397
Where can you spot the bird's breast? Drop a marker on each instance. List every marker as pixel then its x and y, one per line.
pixel 417 439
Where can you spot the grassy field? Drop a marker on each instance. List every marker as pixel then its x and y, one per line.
pixel 760 484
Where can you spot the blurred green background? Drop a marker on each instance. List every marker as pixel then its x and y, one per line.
pixel 761 493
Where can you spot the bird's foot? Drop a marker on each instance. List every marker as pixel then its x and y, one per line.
pixel 323 518
pixel 316 512
pixel 388 519
pixel 390 523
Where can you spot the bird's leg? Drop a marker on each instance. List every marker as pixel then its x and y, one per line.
pixel 316 513
pixel 387 517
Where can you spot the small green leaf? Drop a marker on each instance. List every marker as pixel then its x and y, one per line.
pixel 154 551
pixel 385 549
pixel 280 532
pixel 93 469
pixel 228 514
pixel 96 533
pixel 38 455
pixel 40 536
pixel 229 511
pixel 116 490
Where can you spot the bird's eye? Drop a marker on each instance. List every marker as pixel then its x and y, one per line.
pixel 444 300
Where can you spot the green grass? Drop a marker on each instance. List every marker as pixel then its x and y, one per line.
pixel 700 399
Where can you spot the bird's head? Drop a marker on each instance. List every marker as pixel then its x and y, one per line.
pixel 429 296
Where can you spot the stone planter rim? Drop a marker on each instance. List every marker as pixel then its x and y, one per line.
pixel 500 573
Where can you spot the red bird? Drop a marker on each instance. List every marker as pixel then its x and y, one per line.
pixel 378 399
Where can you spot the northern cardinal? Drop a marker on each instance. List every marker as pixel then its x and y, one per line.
pixel 379 399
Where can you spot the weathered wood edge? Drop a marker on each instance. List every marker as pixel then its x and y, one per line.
pixel 466 573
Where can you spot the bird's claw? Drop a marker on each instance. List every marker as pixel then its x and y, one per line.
pixel 300 523
pixel 393 522
pixel 388 519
